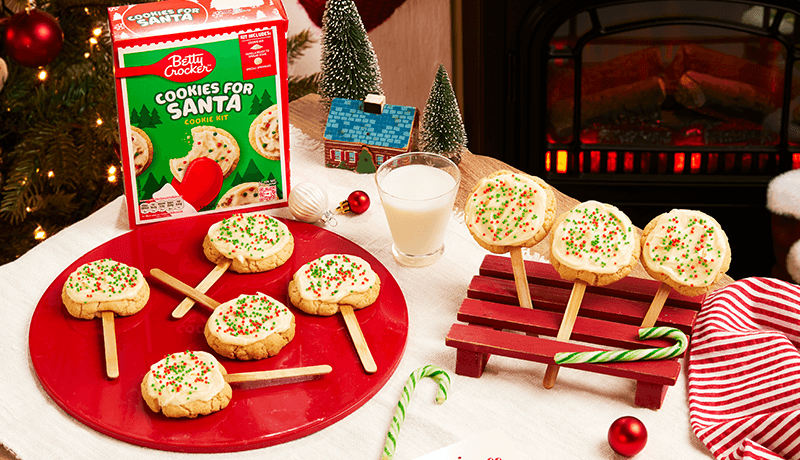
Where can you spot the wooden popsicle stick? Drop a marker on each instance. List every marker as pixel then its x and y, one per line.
pixel 656 305
pixel 184 288
pixel 278 376
pixel 521 278
pixel 110 344
pixel 565 330
pixel 203 287
pixel 359 341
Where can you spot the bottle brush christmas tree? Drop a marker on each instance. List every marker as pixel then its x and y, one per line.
pixel 442 129
pixel 349 67
pixel 59 138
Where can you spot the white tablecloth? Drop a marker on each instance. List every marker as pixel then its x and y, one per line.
pixel 569 421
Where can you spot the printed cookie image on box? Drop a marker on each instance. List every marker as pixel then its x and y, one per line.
pixel 203 107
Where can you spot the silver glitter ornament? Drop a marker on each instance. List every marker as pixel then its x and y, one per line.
pixel 309 203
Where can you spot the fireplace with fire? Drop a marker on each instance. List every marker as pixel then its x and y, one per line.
pixel 682 104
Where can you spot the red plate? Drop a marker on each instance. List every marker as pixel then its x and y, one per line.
pixel 67 352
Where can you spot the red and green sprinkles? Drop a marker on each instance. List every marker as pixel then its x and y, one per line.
pixel 254 235
pixel 103 279
pixel 692 250
pixel 216 145
pixel 594 236
pixel 334 275
pixel 181 372
pixel 249 315
pixel 505 209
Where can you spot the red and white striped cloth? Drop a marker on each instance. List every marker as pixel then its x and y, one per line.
pixel 744 371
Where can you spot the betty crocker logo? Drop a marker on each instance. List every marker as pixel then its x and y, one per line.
pixel 188 64
pixel 181 66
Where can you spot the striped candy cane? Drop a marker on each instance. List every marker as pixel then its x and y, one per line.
pixel 632 355
pixel 442 379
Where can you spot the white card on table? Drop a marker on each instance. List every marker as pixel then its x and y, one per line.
pixel 491 445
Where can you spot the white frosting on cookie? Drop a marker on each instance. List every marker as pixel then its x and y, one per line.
pixel 332 277
pixel 141 151
pixel 208 142
pixel 506 209
pixel 687 246
pixel 181 378
pixel 594 237
pixel 248 319
pixel 241 195
pixel 251 236
pixel 268 133
pixel 104 280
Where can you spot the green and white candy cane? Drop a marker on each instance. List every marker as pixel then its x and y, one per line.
pixel 442 379
pixel 643 354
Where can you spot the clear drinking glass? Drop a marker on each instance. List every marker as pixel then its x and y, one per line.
pixel 417 190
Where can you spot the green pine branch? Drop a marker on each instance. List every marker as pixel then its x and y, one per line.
pixel 298 44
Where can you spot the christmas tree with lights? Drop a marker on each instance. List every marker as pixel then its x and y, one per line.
pixel 349 67
pixel 59 139
pixel 442 129
pixel 59 144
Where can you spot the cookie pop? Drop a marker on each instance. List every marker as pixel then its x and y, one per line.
pixel 248 327
pixel 338 283
pixel 103 288
pixel 687 251
pixel 194 383
pixel 508 211
pixel 246 243
pixel 593 243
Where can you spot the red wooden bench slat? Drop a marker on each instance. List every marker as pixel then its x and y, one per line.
pixel 513 317
pixel 596 306
pixel 482 340
pixel 544 274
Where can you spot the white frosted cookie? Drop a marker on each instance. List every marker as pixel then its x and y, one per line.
pixel 508 209
pixel 265 134
pixel 186 384
pixel 687 250
pixel 241 195
pixel 210 142
pixel 250 327
pixel 142 149
pixel 105 285
pixel 320 286
pixel 254 242
pixel 594 242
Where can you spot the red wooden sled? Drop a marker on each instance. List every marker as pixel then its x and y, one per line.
pixel 609 317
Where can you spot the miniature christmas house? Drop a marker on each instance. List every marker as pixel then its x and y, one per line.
pixel 361 135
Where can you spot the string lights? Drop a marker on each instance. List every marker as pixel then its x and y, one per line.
pixel 38 57
pixel 39 234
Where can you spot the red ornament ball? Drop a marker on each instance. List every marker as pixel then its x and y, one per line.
pixel 627 436
pixel 33 38
pixel 358 202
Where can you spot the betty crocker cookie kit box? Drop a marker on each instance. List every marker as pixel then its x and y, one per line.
pixel 203 111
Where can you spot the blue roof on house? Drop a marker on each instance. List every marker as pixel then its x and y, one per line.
pixel 347 122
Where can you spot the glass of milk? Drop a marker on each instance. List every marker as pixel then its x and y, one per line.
pixel 417 190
